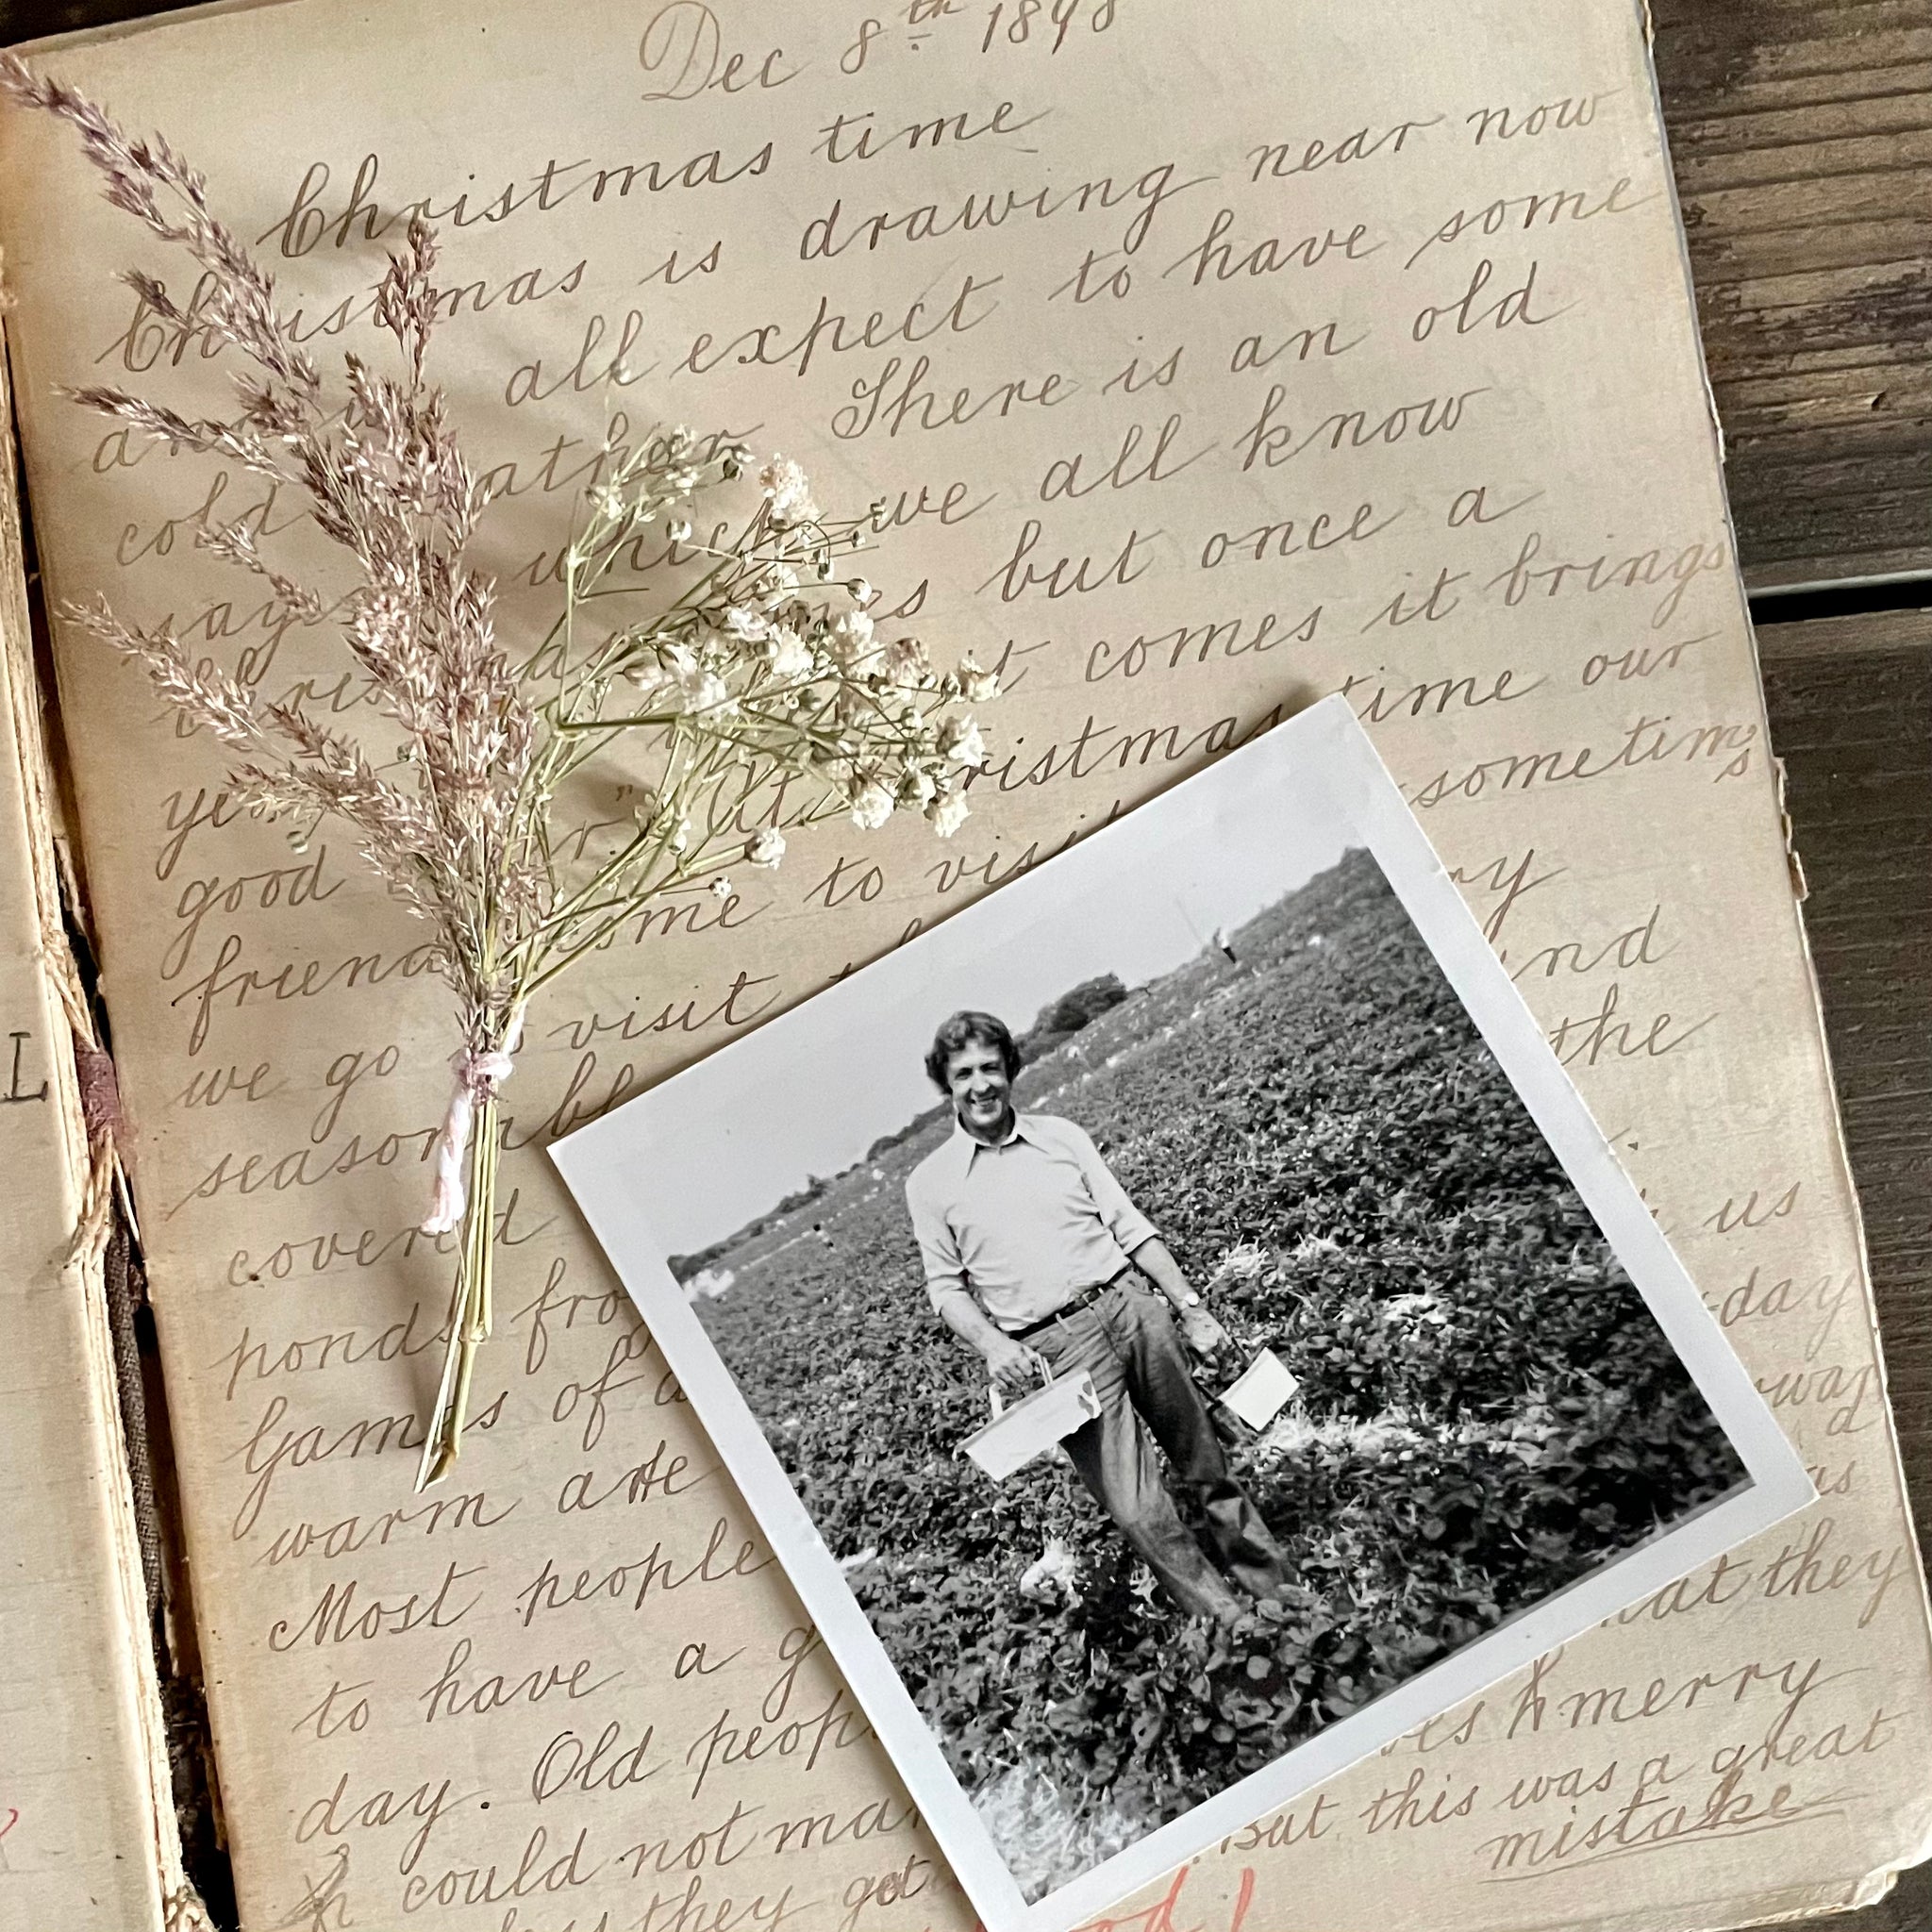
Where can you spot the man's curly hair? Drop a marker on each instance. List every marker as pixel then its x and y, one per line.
pixel 970 1029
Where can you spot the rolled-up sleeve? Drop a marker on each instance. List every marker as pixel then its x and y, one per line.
pixel 1123 1220
pixel 939 1252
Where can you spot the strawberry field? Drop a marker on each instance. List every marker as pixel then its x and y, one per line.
pixel 1487 1408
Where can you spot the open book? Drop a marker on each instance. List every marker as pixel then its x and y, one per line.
pixel 1203 361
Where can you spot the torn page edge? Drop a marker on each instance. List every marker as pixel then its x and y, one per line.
pixel 181 1906
pixel 1857 1894
pixel 1747 1912
pixel 1801 886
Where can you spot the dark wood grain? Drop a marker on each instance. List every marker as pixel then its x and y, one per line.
pixel 1802 134
pixel 35 20
pixel 1851 715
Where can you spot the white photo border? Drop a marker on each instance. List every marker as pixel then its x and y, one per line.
pixel 1320 756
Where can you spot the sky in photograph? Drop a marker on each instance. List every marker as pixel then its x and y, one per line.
pixel 807 1094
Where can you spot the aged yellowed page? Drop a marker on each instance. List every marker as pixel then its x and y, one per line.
pixel 1203 360
pixel 87 1827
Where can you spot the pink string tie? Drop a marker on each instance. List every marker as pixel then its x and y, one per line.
pixel 478 1075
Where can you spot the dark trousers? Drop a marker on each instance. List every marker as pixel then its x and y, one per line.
pixel 1128 1342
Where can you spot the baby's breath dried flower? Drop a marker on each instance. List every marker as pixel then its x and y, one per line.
pixel 766 848
pixel 787 490
pixel 947 813
pixel 872 805
pixel 705 691
pixel 977 687
pixel 960 741
pixel 907 662
pixel 788 655
pixel 853 641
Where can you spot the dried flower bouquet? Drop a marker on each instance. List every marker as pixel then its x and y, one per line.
pixel 757 699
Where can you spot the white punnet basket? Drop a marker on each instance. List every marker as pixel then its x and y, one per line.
pixel 1033 1426
pixel 1263 1390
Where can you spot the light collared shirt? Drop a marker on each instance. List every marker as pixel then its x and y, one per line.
pixel 1022 1227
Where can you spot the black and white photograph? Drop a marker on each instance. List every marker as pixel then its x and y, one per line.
pixel 1197 1315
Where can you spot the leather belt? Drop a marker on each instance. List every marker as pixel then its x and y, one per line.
pixel 1083 1298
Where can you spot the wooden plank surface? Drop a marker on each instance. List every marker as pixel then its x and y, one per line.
pixel 1851 712
pixel 1851 715
pixel 1802 133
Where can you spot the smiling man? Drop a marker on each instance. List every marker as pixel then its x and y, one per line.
pixel 1035 1256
